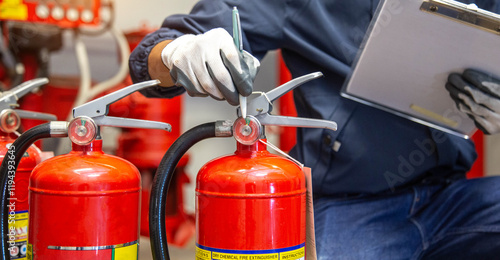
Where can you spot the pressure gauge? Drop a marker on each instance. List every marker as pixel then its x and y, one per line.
pixel 82 130
pixel 9 121
pixel 247 131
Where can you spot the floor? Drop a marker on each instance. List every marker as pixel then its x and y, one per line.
pixel 177 253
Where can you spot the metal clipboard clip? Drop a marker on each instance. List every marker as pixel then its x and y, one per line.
pixel 463 13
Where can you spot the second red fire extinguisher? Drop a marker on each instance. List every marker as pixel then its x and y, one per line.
pixel 249 205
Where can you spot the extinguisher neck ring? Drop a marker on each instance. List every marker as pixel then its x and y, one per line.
pixel 252 149
pixel 94 146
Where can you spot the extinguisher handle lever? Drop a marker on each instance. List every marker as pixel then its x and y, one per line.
pixel 261 106
pixel 291 85
pixel 9 98
pixel 100 106
pixel 266 119
pixel 98 109
pixel 131 123
pixel 263 103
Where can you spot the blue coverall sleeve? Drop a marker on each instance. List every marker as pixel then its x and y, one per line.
pixel 492 6
pixel 262 24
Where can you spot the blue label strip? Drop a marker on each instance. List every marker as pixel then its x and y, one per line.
pixel 248 252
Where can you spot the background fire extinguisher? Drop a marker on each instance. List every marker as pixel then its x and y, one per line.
pixel 250 204
pixel 10 120
pixel 83 205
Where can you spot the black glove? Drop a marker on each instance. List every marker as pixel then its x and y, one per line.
pixel 478 95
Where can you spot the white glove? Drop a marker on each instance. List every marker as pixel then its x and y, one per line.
pixel 478 95
pixel 210 64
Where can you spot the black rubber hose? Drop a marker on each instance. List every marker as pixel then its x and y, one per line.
pixel 9 166
pixel 161 182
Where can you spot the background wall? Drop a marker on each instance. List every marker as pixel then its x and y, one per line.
pixel 131 13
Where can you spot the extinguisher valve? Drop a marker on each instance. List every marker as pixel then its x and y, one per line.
pixel 10 117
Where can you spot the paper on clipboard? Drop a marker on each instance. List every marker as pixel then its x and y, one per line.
pixel 410 49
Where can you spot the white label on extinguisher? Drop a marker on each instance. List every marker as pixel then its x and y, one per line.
pixel 290 253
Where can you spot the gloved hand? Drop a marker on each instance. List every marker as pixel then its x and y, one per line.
pixel 478 95
pixel 210 64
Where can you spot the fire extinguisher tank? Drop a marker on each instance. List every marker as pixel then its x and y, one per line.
pixel 84 205
pixel 252 202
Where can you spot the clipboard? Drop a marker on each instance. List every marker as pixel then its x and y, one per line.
pixel 410 49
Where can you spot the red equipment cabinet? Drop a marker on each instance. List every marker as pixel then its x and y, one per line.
pixel 84 205
pixel 251 203
pixel 65 14
pixel 19 195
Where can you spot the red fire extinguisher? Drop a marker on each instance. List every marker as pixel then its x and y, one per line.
pixel 85 204
pixel 10 120
pixel 249 205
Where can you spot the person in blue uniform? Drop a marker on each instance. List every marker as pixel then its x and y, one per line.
pixel 384 187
